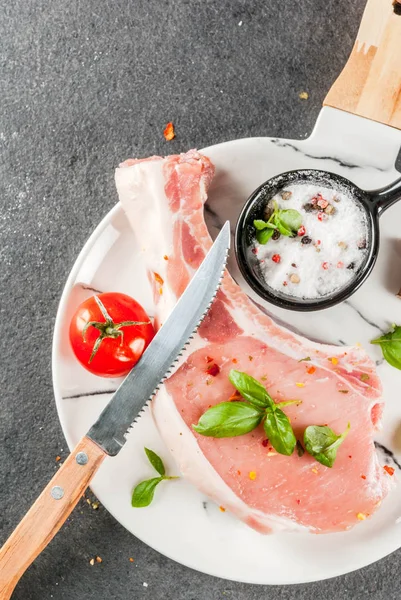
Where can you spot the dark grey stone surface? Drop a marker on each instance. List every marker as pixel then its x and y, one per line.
pixel 84 85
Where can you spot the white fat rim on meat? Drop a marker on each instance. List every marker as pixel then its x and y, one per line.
pixel 191 461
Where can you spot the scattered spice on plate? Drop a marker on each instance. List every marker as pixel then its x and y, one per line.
pixel 333 360
pixel 300 384
pixel 99 559
pixel 311 370
pixel 343 391
pixel 92 562
pixel 131 559
pixel 303 95
pixel 364 377
pixel 388 469
pixel 222 509
pixel 252 475
pixel 58 458
pixel 361 516
pixel 363 476
pixel 165 257
pixel 169 132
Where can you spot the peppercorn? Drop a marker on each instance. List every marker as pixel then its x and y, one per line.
pixel 306 240
pixel 351 266
pixel 308 207
pixel 276 234
pixel 362 245
pixel 286 195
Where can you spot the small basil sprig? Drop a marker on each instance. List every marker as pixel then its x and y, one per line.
pixel 286 221
pixel 144 492
pixel 231 419
pixel 322 443
pixel 390 343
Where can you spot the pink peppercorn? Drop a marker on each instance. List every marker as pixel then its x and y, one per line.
pixel 276 258
pixel 254 250
pixel 301 231
pixel 325 266
pixel 322 203
pixel 340 265
pixel 285 283
pixel 265 443
pixel 322 216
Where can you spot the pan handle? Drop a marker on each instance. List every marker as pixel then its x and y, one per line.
pixel 370 83
pixel 385 197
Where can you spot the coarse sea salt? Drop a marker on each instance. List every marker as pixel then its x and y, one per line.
pixel 331 260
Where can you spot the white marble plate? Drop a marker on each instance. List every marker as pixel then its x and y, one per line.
pixel 181 523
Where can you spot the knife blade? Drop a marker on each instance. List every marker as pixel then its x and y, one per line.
pixel 109 431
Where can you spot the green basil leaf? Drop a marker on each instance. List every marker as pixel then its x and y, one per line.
pixel 250 389
pixel 228 419
pixel 264 236
pixel 390 344
pixel 279 431
pixel 282 229
pixel 322 443
pixel 290 219
pixel 155 461
pixel 259 224
pixel 144 492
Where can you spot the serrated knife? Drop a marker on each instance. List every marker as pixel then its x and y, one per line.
pixel 108 435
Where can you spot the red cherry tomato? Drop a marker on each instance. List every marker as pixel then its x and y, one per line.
pixel 109 332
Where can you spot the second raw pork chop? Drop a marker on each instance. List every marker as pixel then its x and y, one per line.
pixel 163 198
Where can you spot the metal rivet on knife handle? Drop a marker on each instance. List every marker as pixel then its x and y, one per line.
pixel 57 492
pixel 81 458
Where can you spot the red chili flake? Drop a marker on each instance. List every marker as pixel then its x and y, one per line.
pixel 234 360
pixel 285 283
pixel 363 476
pixel 349 456
pixel 318 243
pixel 238 472
pixel 301 231
pixel 213 370
pixel 235 396
pixel 340 265
pixel 325 266
pixel 321 216
pixel 165 257
pixel 276 258
pixel 388 469
pixel 159 279
pixel 311 370
pixel 298 501
pixel 265 443
pixel 169 132
pixel 58 458
pixel 250 357
pixel 209 359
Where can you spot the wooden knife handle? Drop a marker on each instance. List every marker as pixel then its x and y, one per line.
pixel 370 83
pixel 47 515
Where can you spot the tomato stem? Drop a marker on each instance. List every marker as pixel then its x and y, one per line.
pixel 107 329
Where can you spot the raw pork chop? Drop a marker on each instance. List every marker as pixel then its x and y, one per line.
pixel 163 198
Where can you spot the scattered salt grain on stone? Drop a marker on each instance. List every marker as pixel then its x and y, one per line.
pixel 239 24
pixel 145 584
